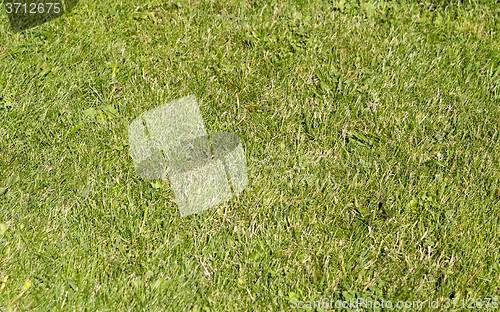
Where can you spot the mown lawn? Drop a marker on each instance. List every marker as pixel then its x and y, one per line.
pixel 371 133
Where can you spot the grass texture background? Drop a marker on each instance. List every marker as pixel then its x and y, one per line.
pixel 371 132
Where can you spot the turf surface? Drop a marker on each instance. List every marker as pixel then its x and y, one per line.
pixel 371 133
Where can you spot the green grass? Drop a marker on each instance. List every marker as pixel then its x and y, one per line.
pixel 336 103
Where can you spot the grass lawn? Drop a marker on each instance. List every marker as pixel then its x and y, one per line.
pixel 371 133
